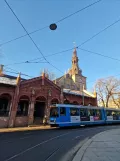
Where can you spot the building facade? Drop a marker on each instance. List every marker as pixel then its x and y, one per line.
pixel 26 102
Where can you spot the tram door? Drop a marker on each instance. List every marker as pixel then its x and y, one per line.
pixel 64 114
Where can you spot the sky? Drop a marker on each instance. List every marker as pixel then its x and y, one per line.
pixel 37 14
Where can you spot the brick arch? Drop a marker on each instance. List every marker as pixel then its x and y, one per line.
pixel 6 95
pixel 24 97
pixel 54 101
pixel 66 101
pixel 39 109
pixel 5 102
pixel 75 103
pixel 40 98
pixel 23 105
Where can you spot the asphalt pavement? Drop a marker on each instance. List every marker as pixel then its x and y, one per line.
pixel 45 145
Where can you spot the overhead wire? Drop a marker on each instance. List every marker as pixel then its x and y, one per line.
pixel 48 25
pixel 45 27
pixel 84 42
pixel 99 32
pixel 30 36
pixel 18 73
pixel 39 58
pixel 25 29
pixel 99 54
pixel 78 11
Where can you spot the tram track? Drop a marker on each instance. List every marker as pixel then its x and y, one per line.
pixel 54 148
pixel 73 150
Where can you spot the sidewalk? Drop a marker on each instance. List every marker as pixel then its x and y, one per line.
pixel 104 146
pixel 3 130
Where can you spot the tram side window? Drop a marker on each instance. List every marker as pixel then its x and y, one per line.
pixel 115 115
pixel 83 112
pixel 98 113
pixel 90 112
pixel 95 113
pixel 109 112
pixel 54 112
pixel 74 111
pixel 62 111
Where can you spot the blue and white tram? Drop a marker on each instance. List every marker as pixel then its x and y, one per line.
pixel 112 115
pixel 62 115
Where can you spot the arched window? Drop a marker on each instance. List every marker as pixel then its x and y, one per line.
pixel 54 101
pixel 23 106
pixel 66 101
pixel 5 101
pixel 75 103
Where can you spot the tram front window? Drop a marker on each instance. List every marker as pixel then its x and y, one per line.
pixel 54 112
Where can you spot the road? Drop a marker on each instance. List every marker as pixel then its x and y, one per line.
pixel 44 145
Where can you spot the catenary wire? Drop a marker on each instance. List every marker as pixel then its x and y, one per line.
pixel 25 30
pixel 30 37
pixel 87 41
pixel 48 25
pixel 84 42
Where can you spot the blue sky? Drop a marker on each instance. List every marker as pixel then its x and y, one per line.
pixel 35 14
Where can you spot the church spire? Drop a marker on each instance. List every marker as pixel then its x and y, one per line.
pixel 75 52
pixel 75 66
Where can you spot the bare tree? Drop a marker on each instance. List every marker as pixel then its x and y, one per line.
pixel 106 89
pixel 116 99
pixel 49 74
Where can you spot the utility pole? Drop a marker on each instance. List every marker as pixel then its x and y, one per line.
pixel 82 91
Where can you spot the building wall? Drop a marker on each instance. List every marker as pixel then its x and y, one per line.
pixel 74 82
pixel 21 121
pixel 80 81
pixel 4 122
pixel 33 89
pixel 79 100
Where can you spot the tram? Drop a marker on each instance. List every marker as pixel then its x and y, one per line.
pixel 63 115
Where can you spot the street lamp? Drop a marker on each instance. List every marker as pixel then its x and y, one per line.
pixel 53 26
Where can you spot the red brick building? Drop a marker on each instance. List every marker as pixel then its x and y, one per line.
pixel 27 102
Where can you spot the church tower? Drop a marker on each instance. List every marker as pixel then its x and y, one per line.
pixel 76 73
pixel 73 79
pixel 75 67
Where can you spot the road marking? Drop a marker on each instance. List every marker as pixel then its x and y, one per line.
pixel 25 137
pixel 77 137
pixel 73 150
pixel 53 153
pixel 27 133
pixel 5 141
pixel 28 149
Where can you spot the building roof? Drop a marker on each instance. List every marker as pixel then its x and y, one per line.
pixel 78 93
pixel 8 79
pixel 58 78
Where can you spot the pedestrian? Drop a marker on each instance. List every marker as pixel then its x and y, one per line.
pixel 45 120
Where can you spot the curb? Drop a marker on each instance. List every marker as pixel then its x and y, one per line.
pixel 79 155
pixel 73 151
pixel 6 130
